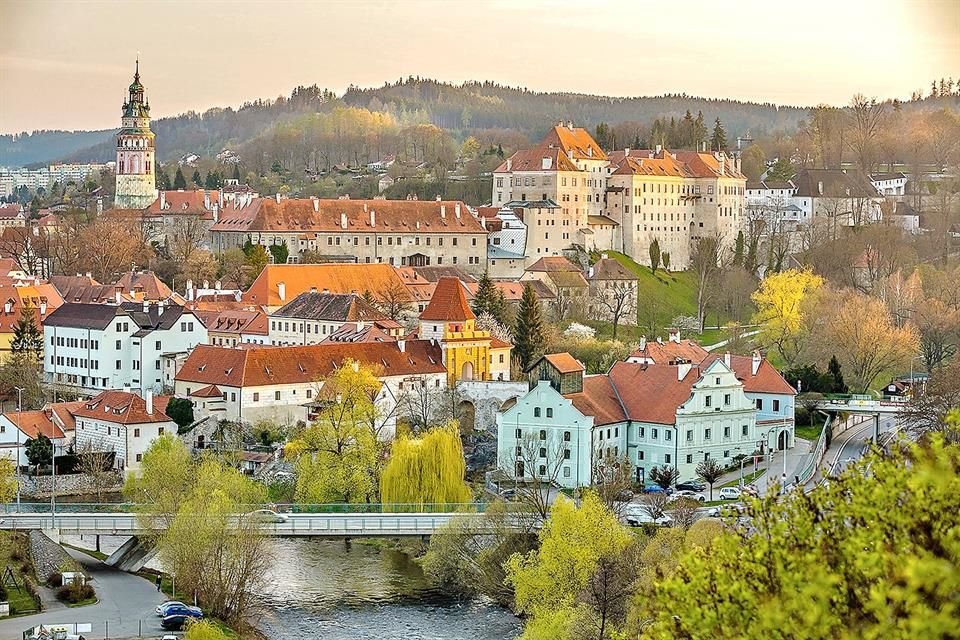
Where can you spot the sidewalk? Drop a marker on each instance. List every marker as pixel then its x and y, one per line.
pixel 796 459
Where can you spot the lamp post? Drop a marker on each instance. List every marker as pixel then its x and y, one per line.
pixel 53 494
pixel 19 410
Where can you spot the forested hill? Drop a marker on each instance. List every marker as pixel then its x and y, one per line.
pixel 461 109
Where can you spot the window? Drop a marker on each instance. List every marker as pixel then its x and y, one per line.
pixel 708 401
pixel 536 412
pixel 566 472
pixel 746 430
pixel 543 434
pixel 666 458
pixel 542 470
pixel 689 458
pixel 543 452
pixel 118 344
pixel 566 454
pixel 309 393
pixel 726 399
pixel 640 432
pixel 158 345
pixel 566 436
pixel 689 435
pixel 639 455
pixel 139 457
pixel 519 453
pixel 668 435
pixel 160 431
pixel 519 434
pixel 233 396
pixel 549 412
pixel 726 432
pixel 759 404
pixel 726 453
pixel 276 395
pixel 118 364
pixel 256 396
pixel 706 434
pixel 776 406
pixel 654 433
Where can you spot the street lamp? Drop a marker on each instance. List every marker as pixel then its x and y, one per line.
pixel 20 391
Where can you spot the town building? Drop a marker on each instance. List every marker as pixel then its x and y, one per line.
pixel 92 347
pixel 506 241
pixel 32 296
pixel 394 232
pixel 282 383
pixel 124 424
pixel 18 427
pixel 612 292
pixel 12 215
pixel 565 281
pixel 469 353
pixel 889 184
pixel 278 284
pixel 313 316
pixel 841 197
pixel 136 181
pixel 231 327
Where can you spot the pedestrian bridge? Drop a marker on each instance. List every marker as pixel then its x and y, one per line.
pixel 360 522
pixel 863 403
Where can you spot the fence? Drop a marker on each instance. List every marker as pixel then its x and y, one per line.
pixel 816 456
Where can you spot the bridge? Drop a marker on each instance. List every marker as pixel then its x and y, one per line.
pixel 863 403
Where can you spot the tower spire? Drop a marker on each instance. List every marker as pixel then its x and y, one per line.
pixel 136 73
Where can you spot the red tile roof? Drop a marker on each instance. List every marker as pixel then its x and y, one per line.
pixel 33 423
pixel 668 352
pixel 335 278
pixel 194 202
pixel 257 365
pixel 449 303
pixel 120 407
pixel 665 166
pixel 532 160
pixel 651 392
pixel 767 380
pixel 577 140
pixel 564 362
pixel 598 399
pixel 209 391
pixel 552 264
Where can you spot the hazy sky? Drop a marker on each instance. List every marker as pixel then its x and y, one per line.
pixel 65 64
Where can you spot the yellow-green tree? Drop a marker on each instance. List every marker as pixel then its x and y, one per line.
pixel 783 300
pixel 578 582
pixel 339 456
pixel 204 630
pixel 167 474
pixel 8 480
pixel 428 470
pixel 873 555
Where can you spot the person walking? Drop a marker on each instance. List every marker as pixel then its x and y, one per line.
pixel 159 579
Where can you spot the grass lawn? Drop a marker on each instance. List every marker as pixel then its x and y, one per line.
pixel 747 479
pixel 83 603
pixel 90 552
pixel 13 554
pixel 809 433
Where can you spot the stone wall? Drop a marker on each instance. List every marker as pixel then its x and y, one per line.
pixel 47 555
pixel 67 485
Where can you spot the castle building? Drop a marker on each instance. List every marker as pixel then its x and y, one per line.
pixel 136 181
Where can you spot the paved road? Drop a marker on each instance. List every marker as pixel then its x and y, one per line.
pixel 850 444
pixel 126 606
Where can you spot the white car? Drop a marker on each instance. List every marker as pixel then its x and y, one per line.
pixel 637 514
pixel 267 516
pixel 730 493
pixel 689 495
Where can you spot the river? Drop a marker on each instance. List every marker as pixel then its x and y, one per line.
pixel 328 590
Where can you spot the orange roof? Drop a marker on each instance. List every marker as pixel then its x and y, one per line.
pixel 552 264
pixel 577 140
pixel 449 303
pixel 767 380
pixel 598 399
pixel 307 215
pixel 64 412
pixel 33 423
pixel 257 365
pixel 120 407
pixel 235 321
pixel 194 201
pixel 669 352
pixel 335 278
pixel 209 391
pixel 564 362
pixel 33 296
pixel 666 166
pixel 533 160
pixel 707 165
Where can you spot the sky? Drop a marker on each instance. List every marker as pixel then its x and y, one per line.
pixel 65 64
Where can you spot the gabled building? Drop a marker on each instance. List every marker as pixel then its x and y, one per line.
pixel 842 197
pixel 278 284
pixel 92 347
pixel 313 316
pixel 18 427
pixel 35 297
pixel 612 291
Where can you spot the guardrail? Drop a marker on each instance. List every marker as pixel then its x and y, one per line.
pixel 817 454
pixel 345 508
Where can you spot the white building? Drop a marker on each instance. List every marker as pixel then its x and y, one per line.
pixel 313 316
pixel 94 347
pixel 123 423
pixel 889 184
pixel 17 427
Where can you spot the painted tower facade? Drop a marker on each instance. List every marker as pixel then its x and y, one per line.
pixel 136 181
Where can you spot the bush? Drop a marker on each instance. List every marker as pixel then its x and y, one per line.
pixel 75 592
pixel 55 579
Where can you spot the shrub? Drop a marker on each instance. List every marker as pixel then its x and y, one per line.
pixel 75 592
pixel 55 579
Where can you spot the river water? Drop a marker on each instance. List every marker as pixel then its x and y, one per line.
pixel 326 589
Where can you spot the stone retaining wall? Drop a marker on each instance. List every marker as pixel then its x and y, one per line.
pixel 47 555
pixel 67 485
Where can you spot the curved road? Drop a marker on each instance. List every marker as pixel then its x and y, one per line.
pixel 127 604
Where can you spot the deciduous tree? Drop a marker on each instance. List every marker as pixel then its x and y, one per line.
pixel 709 471
pixel 781 310
pixel 426 470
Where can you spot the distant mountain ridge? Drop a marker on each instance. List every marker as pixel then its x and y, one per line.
pixel 463 108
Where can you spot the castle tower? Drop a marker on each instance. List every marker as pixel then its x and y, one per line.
pixel 136 181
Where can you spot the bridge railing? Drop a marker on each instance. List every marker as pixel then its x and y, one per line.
pixel 334 508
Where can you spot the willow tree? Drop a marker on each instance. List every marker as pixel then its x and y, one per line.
pixel 428 470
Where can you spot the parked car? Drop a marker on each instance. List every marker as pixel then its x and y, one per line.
pixel 175 622
pixel 730 493
pixel 690 495
pixel 725 510
pixel 691 485
pixel 162 607
pixel 183 610
pixel 655 488
pixel 267 516
pixel 637 514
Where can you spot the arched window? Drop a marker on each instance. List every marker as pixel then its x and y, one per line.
pixel 135 164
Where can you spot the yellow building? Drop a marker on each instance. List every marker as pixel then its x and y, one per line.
pixel 42 298
pixel 468 353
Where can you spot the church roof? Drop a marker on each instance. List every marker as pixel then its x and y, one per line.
pixel 449 303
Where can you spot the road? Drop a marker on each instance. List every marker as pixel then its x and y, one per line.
pixel 848 445
pixel 126 608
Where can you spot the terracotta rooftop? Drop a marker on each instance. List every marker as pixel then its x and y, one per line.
pixel 257 365
pixel 553 263
pixel 339 307
pixel 34 423
pixel 577 140
pixel 449 302
pixel 598 399
pixel 609 269
pixel 120 407
pixel 193 201
pixel 564 362
pixel 335 278
pixel 665 166
pixel 669 352
pixel 767 380
pixel 534 159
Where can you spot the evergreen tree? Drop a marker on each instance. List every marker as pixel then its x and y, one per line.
pixel 718 142
pixel 665 259
pixel 654 255
pixel 781 170
pixel 236 172
pixel 489 299
pixel 163 180
pixel 529 339
pixel 700 131
pixel 197 178
pixel 26 336
pixel 212 181
pixel 280 253
pixel 39 450
pixel 837 384
pixel 687 131
pixel 738 250
pixel 179 182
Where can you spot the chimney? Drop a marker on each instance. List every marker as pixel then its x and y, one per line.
pixel 726 359
pixel 683 368
pixel 373 217
pixel 343 220
pixel 282 291
pixel 220 198
pixel 456 210
pixel 723 163
pixel 160 304
pixel 674 335
pixel 149 398
pixel 146 305
pixel 443 212
pixel 643 343
pixel 163 200
pixel 216 213
pixel 626 152
pixel 278 198
pixel 43 308
pixel 7 307
pixel 402 345
pixel 117 295
pixel 216 285
pixel 509 164
pixel 755 363
pixel 206 199
pixel 590 272
pixel 438 197
pixel 206 284
pixel 189 291
pixel 316 205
